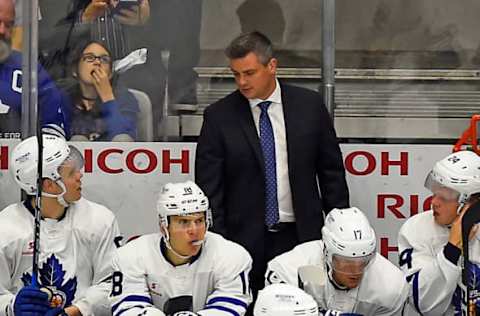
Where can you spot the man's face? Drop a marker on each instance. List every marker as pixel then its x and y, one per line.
pixel 444 206
pixel 254 80
pixel 7 18
pixel 348 272
pixel 186 232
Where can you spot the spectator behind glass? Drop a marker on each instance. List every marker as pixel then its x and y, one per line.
pixel 98 111
pixel 107 20
pixel 174 26
pixel 50 104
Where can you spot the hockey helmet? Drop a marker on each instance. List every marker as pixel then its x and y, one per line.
pixel 181 199
pixel 456 176
pixel 284 300
pixel 56 153
pixel 348 237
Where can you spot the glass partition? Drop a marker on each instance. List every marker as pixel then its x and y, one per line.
pixel 144 70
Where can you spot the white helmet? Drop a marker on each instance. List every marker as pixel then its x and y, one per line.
pixel 459 172
pixel 181 199
pixel 284 300
pixel 56 153
pixel 348 234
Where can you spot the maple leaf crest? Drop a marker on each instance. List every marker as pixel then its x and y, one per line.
pixel 52 276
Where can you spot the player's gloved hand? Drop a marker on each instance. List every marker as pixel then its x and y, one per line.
pixel 331 312
pixel 30 301
pixel 56 311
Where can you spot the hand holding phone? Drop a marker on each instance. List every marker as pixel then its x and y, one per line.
pixel 125 5
pixel 132 12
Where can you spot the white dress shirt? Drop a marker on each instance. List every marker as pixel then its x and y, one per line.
pixel 275 112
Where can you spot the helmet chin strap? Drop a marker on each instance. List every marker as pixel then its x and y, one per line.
pixel 462 199
pixel 59 197
pixel 166 236
pixel 332 279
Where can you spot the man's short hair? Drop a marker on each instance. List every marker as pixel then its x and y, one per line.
pixel 252 42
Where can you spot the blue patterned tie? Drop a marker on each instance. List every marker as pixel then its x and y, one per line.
pixel 267 141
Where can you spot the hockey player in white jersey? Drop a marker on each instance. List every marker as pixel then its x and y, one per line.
pixel 430 243
pixel 76 238
pixel 343 271
pixel 184 270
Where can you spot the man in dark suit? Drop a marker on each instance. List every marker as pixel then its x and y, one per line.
pixel 262 155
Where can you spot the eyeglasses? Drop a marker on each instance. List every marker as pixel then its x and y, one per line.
pixel 90 58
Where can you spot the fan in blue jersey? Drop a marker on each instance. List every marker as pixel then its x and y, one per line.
pixel 98 109
pixel 49 98
pixel 184 270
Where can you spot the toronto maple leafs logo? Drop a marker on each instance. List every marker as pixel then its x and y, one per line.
pixel 474 285
pixel 52 276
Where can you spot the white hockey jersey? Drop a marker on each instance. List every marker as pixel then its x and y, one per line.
pixel 382 290
pixel 75 255
pixel 214 283
pixel 434 279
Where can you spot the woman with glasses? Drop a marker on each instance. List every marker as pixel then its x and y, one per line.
pixel 99 110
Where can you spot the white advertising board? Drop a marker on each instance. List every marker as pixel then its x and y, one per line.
pixel 385 181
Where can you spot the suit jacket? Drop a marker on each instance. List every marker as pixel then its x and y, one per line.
pixel 229 166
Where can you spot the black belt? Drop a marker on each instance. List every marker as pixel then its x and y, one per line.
pixel 278 227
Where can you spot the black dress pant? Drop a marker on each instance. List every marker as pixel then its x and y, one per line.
pixel 275 243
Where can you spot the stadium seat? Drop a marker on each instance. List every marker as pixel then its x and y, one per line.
pixel 144 119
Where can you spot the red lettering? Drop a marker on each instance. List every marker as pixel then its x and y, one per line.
pixel 413 204
pixel 167 161
pixel 385 249
pixel 3 157
pixel 398 202
pixel 102 163
pixel 428 203
pixel 371 163
pixel 152 161
pixel 88 158
pixel 386 162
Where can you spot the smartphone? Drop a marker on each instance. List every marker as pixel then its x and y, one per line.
pixel 126 4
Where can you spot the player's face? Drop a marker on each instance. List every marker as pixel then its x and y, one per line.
pixel 349 271
pixel 444 206
pixel 93 56
pixel 71 177
pixel 254 80
pixel 186 232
